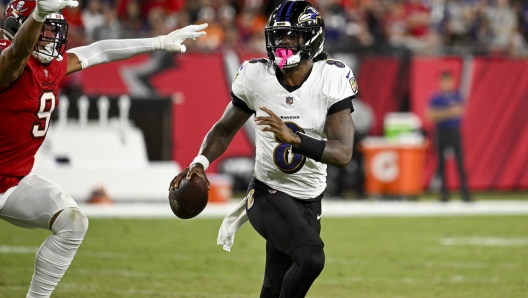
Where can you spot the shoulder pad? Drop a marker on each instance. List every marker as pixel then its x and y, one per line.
pixel 338 77
pixel 336 63
pixel 259 60
pixel 256 69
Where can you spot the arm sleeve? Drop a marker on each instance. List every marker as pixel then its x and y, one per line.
pixel 341 105
pixel 111 50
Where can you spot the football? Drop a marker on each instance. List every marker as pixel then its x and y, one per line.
pixel 190 199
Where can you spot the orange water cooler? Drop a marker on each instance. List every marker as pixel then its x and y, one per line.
pixel 393 168
pixel 221 188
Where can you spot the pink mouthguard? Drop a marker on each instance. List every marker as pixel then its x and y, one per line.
pixel 284 54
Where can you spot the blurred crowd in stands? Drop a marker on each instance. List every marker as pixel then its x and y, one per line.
pixel 425 27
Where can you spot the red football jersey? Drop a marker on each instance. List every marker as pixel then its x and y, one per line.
pixel 25 114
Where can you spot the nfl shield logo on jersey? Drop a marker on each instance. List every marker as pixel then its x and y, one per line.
pixel 289 100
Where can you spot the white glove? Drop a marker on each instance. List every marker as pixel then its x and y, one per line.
pixel 172 41
pixel 45 7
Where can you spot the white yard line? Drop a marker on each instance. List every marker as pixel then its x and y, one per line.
pixel 485 241
pixel 158 209
pixel 10 249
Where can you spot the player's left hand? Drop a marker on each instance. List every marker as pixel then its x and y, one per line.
pixel 278 127
pixel 45 7
pixel 172 42
pixel 197 169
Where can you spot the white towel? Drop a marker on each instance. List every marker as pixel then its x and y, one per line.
pixel 232 222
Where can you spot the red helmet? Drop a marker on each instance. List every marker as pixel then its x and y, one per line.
pixel 16 12
pixel 51 44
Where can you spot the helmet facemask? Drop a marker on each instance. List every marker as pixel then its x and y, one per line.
pixel 287 44
pixel 294 34
pixel 52 41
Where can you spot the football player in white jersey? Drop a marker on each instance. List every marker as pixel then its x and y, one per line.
pixel 302 102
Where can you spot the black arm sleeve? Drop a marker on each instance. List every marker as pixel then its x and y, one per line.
pixel 239 103
pixel 341 105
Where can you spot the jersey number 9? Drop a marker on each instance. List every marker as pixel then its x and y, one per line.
pixel 46 106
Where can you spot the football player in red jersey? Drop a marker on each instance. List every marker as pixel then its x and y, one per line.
pixel 33 63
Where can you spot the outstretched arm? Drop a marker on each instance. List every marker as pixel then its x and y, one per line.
pixel 14 58
pixel 215 142
pixel 105 51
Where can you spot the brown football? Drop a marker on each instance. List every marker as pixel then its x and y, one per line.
pixel 190 199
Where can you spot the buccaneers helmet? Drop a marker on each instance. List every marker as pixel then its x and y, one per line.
pixel 52 41
pixel 295 20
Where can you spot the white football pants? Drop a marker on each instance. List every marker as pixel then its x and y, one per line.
pixel 32 204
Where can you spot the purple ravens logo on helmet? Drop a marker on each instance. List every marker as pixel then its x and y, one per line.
pixel 310 14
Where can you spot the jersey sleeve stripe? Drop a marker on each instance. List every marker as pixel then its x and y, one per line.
pixel 239 103
pixel 341 105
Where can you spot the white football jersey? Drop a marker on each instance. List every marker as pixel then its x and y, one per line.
pixel 304 109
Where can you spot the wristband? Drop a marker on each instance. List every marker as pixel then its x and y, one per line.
pixel 37 15
pixel 201 159
pixel 310 147
pixel 158 43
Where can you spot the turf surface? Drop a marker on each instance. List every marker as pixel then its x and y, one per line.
pixel 480 256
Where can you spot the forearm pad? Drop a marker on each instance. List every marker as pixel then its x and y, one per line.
pixel 111 50
pixel 310 147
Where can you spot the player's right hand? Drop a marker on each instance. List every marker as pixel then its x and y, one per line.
pixel 197 169
pixel 45 7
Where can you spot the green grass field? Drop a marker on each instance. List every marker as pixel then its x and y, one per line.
pixel 480 256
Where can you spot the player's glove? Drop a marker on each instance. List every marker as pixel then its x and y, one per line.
pixel 45 7
pixel 172 42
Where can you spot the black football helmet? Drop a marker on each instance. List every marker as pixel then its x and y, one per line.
pixel 294 20
pixel 52 41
